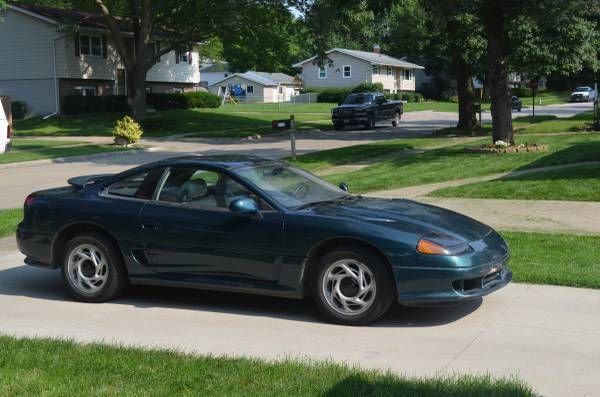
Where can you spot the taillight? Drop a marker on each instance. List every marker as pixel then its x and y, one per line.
pixel 29 201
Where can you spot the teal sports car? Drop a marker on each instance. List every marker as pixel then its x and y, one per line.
pixel 252 225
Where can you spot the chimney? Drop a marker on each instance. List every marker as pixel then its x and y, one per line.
pixel 377 49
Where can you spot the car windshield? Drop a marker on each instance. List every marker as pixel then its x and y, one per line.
pixel 357 99
pixel 290 186
pixel 584 89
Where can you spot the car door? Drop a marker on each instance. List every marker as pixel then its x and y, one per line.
pixel 189 231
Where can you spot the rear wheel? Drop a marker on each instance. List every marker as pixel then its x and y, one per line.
pixel 396 120
pixel 93 269
pixel 353 287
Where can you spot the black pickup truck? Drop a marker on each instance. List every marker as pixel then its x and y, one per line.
pixel 366 108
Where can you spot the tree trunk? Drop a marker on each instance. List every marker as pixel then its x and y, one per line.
pixel 497 76
pixel 467 119
pixel 136 93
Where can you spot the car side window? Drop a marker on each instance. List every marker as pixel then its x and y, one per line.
pixel 203 188
pixel 140 186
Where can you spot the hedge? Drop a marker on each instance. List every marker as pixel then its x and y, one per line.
pixel 18 109
pixel 201 99
pixel 335 95
pixel 521 92
pixel 406 96
pixel 368 87
pixel 338 95
pixel 75 104
pixel 167 101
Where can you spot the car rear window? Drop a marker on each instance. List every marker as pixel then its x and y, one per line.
pixel 140 186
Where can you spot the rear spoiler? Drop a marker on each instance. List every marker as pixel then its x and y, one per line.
pixel 82 181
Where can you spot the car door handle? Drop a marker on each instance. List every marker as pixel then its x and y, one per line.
pixel 150 226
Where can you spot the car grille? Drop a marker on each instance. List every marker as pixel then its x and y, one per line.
pixel 479 283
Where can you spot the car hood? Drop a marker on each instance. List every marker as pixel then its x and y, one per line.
pixel 352 107
pixel 581 93
pixel 407 216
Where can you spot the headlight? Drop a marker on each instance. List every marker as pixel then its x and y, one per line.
pixel 439 244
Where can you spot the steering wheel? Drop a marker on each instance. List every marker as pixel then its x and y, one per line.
pixel 300 190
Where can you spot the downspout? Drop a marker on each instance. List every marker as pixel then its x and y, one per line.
pixel 56 97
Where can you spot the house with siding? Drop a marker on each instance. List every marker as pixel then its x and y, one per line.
pixel 348 68
pixel 49 53
pixel 258 87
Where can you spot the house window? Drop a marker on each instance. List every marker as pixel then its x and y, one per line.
pixel 376 70
pixel 177 90
pixel 390 71
pixel 408 74
pixel 280 89
pixel 347 71
pixel 250 89
pixel 90 45
pixel 85 91
pixel 322 72
pixel 183 57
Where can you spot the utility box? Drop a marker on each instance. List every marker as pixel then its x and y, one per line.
pixel 5 124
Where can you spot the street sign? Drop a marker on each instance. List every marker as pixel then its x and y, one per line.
pixel 533 84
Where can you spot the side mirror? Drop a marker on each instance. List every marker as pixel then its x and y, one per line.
pixel 344 186
pixel 244 206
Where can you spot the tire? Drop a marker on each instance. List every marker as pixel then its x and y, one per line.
pixel 377 300
pixel 370 122
pixel 108 272
pixel 396 120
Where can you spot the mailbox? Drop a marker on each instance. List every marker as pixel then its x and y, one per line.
pixel 281 124
pixel 477 107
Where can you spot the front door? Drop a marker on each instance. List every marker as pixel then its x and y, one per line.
pixel 189 230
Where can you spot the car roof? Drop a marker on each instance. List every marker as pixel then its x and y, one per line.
pixel 229 161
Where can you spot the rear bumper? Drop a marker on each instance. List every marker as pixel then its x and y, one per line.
pixel 35 246
pixel 439 287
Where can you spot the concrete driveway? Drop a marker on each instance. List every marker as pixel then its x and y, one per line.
pixel 548 336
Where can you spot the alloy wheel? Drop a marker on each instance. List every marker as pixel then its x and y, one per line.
pixel 349 287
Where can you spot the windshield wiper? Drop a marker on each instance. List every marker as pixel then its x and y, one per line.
pixel 326 202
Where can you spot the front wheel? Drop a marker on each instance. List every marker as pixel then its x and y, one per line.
pixel 396 120
pixel 338 126
pixel 370 122
pixel 93 269
pixel 353 287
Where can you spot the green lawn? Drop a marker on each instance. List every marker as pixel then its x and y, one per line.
pixel 30 149
pixel 545 98
pixel 581 183
pixel 42 367
pixel 557 259
pixel 9 219
pixel 232 121
pixel 450 163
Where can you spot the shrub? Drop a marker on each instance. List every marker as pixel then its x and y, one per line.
pixel 418 97
pixel 336 95
pixel 521 92
pixel 453 98
pixel 200 99
pixel 368 87
pixel 127 131
pixel 75 104
pixel 18 109
pixel 167 101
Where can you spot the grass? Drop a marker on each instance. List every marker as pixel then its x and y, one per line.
pixel 8 221
pixel 30 149
pixel 545 98
pixel 231 121
pixel 34 367
pixel 580 183
pixel 532 125
pixel 450 163
pixel 556 259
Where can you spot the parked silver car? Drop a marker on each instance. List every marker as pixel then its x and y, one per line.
pixel 583 94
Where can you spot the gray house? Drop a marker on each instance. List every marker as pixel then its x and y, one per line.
pixel 348 68
pixel 258 86
pixel 49 53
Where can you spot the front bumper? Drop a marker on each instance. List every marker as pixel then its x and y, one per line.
pixel 349 120
pixel 579 98
pixel 438 287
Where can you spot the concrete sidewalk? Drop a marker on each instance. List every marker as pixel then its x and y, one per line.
pixel 548 336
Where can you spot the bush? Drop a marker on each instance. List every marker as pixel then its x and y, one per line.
pixel 453 98
pixel 335 95
pixel 127 131
pixel 368 87
pixel 76 104
pixel 521 92
pixel 200 99
pixel 167 101
pixel 18 109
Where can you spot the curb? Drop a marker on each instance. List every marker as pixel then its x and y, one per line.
pixel 75 159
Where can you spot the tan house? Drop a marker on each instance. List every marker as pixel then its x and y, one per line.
pixel 258 87
pixel 348 68
pixel 51 53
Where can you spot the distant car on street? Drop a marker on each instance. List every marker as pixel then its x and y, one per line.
pixel 253 225
pixel 583 94
pixel 516 103
pixel 366 108
pixel 5 127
